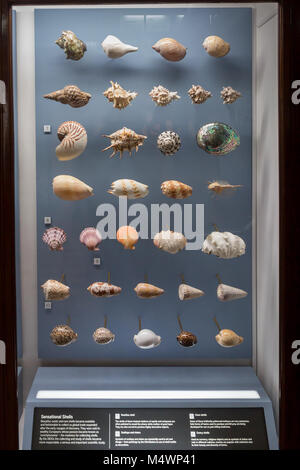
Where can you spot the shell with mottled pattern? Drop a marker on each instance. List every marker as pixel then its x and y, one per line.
pixel 187 339
pixel 73 46
pixel 103 289
pixel 103 336
pixel 62 335
pixel 176 189
pixel 217 138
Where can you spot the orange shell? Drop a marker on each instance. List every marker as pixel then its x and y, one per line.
pixel 128 237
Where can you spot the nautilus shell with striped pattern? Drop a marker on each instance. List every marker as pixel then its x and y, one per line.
pixel 130 188
pixel 73 139
pixel 103 289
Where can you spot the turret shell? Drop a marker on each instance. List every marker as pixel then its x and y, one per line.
pixel 168 142
pixel 103 336
pixel 118 96
pixel 146 339
pixel 71 95
pixel 62 335
pixel 91 238
pixel 169 241
pixel 73 139
pixel 187 339
pixel 225 245
pixel 226 293
pixel 176 189
pixel 73 46
pixel 170 49
pixel 69 188
pixel 130 188
pixel 216 46
pixel 228 338
pixel 186 292
pixel 147 291
pixel 55 237
pixel 124 139
pixel 55 290
pixel 103 289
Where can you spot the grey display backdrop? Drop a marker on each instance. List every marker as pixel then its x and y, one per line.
pixel 140 71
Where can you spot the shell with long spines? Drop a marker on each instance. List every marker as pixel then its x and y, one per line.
pixel 124 139
pixel 130 188
pixel 62 335
pixel 226 293
pixel 168 142
pixel 216 46
pixel 229 95
pixel 71 95
pixel 104 289
pixel 176 189
pixel 217 138
pixel 73 46
pixel 170 49
pixel 228 338
pixel 147 291
pixel 103 336
pixel 224 245
pixel 146 339
pixel 90 237
pixel 55 290
pixel 118 96
pixel 187 339
pixel 186 292
pixel 69 188
pixel 162 96
pixel 114 48
pixel 127 236
pixel 73 139
pixel 170 241
pixel 198 94
pixel 219 187
pixel 55 237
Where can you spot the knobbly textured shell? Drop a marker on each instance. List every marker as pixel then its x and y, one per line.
pixel 186 292
pixel 146 339
pixel 168 142
pixel 124 139
pixel 103 336
pixel 216 46
pixel 170 49
pixel 225 293
pixel 162 96
pixel 103 289
pixel 198 95
pixel 224 245
pixel 130 188
pixel 128 237
pixel 169 241
pixel 228 338
pixel 187 339
pixel 217 138
pixel 73 139
pixel 229 95
pixel 118 96
pixel 91 238
pixel 73 46
pixel 114 48
pixel 62 335
pixel 71 95
pixel 176 189
pixel 147 291
pixel 68 188
pixel 55 237
pixel 222 186
pixel 54 290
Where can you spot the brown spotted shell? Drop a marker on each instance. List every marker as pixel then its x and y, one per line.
pixel 103 336
pixel 55 290
pixel 73 47
pixel 62 335
pixel 176 189
pixel 55 237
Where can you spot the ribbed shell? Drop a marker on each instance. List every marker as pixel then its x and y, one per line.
pixel 73 46
pixel 186 292
pixel 69 188
pixel 168 142
pixel 55 237
pixel 187 339
pixel 169 241
pixel 176 189
pixel 103 336
pixel 91 238
pixel 128 237
pixel 103 289
pixel 217 138
pixel 226 293
pixel 124 139
pixel 228 338
pixel 170 49
pixel 162 96
pixel 71 95
pixel 62 335
pixel 118 96
pixel 147 291
pixel 198 95
pixel 73 139
pixel 55 290
pixel 130 188
pixel 224 245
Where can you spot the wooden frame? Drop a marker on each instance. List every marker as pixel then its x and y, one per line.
pixel 289 40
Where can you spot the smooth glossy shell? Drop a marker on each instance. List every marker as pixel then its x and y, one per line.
pixel 187 339
pixel 228 338
pixel 69 188
pixel 216 46
pixel 169 241
pixel 103 336
pixel 129 188
pixel 170 49
pixel 118 96
pixel 62 335
pixel 225 245
pixel 128 237
pixel 71 95
pixel 73 139
pixel 103 289
pixel 91 238
pixel 73 46
pixel 147 291
pixel 124 139
pixel 55 290
pixel 146 339
pixel 226 293
pixel 168 142
pixel 115 48
pixel 217 138
pixel 176 189
pixel 186 292
pixel 55 237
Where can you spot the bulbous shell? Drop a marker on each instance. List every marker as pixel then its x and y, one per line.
pixel 103 289
pixel 91 238
pixel 71 95
pixel 62 335
pixel 147 291
pixel 176 189
pixel 55 290
pixel 225 245
pixel 130 188
pixel 115 48
pixel 169 241
pixel 217 138
pixel 73 46
pixel 103 336
pixel 168 142
pixel 162 96
pixel 124 139
pixel 73 139
pixel 216 46
pixel 55 237
pixel 128 237
pixel 146 339
pixel 198 95
pixel 187 339
pixel 68 188
pixel 118 96
pixel 228 338
pixel 170 49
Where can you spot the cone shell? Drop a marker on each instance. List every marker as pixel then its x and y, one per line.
pixel 162 96
pixel 217 138
pixel 115 48
pixel 55 290
pixel 103 336
pixel 118 96
pixel 128 237
pixel 226 293
pixel 71 95
pixel 103 289
pixel 228 338
pixel 68 188
pixel 168 142
pixel 186 292
pixel 73 46
pixel 169 241
pixel 91 238
pixel 229 95
pixel 176 189
pixel 146 339
pixel 124 139
pixel 225 245
pixel 130 188
pixel 55 237
pixel 62 335
pixel 73 139
pixel 198 95
pixel 170 49
pixel 187 339
pixel 147 291
pixel 216 46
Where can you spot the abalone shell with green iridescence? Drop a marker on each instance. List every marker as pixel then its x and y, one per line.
pixel 217 138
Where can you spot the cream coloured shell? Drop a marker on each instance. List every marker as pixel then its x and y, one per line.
pixel 115 48
pixel 130 188
pixel 229 95
pixel 146 339
pixel 228 338
pixel 73 47
pixel 216 46
pixel 198 95
pixel 90 237
pixel 55 237
pixel 55 290
pixel 147 291
pixel 224 245
pixel 226 293
pixel 170 49
pixel 71 95
pixel 103 289
pixel 69 188
pixel 162 96
pixel 222 186
pixel 103 336
pixel 128 237
pixel 168 142
pixel 118 96
pixel 62 335
pixel 73 139
pixel 124 139
pixel 169 241
pixel 186 292
pixel 176 189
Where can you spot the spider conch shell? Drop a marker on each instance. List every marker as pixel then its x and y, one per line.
pixel 146 339
pixel 216 46
pixel 229 95
pixel 62 335
pixel 55 290
pixel 224 245
pixel 168 142
pixel 170 49
pixel 147 291
pixel 220 186
pixel 103 336
pixel 130 188
pixel 73 139
pixel 169 241
pixel 226 293
pixel 176 189
pixel 55 237
pixel 124 139
pixel 69 188
pixel 118 96
pixel 228 338
pixel 128 237
pixel 186 292
pixel 73 46
pixel 91 238
pixel 114 48
pixel 162 96
pixel 103 289
pixel 71 95
pixel 187 339
pixel 198 95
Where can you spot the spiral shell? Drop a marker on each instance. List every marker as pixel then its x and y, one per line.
pixel 147 291
pixel 128 237
pixel 124 139
pixel 103 336
pixel 162 96
pixel 71 95
pixel 170 49
pixel 130 188
pixel 225 245
pixel 73 46
pixel 217 138
pixel 198 95
pixel 73 139
pixel 176 189
pixel 168 142
pixel 228 338
pixel 54 290
pixel 103 289
pixel 55 237
pixel 115 48
pixel 226 293
pixel 69 188
pixel 187 339
pixel 216 46
pixel 91 238
pixel 169 241
pixel 229 95
pixel 186 292
pixel 118 96
pixel 62 335
pixel 146 339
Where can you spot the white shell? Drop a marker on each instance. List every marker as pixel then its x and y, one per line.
pixel 114 48
pixel 146 339
pixel 226 293
pixel 224 245
pixel 130 188
pixel 169 241
pixel 73 138
pixel 162 96
pixel 186 292
pixel 118 96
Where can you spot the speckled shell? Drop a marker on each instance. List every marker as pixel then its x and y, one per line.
pixel 229 95
pixel 170 49
pixel 217 138
pixel 147 291
pixel 62 335
pixel 187 339
pixel 69 188
pixel 186 292
pixel 73 139
pixel 118 96
pixel 146 339
pixel 54 290
pixel 128 237
pixel 226 293
pixel 219 186
pixel 124 139
pixel 176 189
pixel 168 142
pixel 198 95
pixel 103 336
pixel 162 96
pixel 103 289
pixel 55 237
pixel 91 238
pixel 71 95
pixel 228 338
pixel 169 241
pixel 216 46
pixel 114 48
pixel 130 188
pixel 73 46
pixel 225 245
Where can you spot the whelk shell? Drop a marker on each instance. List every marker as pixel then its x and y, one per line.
pixel 228 338
pixel 198 95
pixel 103 289
pixel 114 48
pixel 229 95
pixel 226 293
pixel 162 96
pixel 118 96
pixel 55 290
pixel 222 186
pixel 71 95
pixel 217 138
pixel 187 339
pixel 69 188
pixel 168 142
pixel 55 237
pixel 62 335
pixel 147 291
pixel 130 188
pixel 146 339
pixel 103 336
pixel 128 237
pixel 176 189
pixel 73 46
pixel 225 245
pixel 73 139
pixel 169 241
pixel 91 238
pixel 170 49
pixel 186 292
pixel 216 46
pixel 124 139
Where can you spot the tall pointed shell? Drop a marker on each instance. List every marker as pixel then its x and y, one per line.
pixel 170 49
pixel 169 241
pixel 73 46
pixel 118 96
pixel 128 237
pixel 217 138
pixel 71 95
pixel 168 142
pixel 103 289
pixel 186 292
pixel 225 293
pixel 146 339
pixel 229 95
pixel 187 339
pixel 73 139
pixel 130 188
pixel 69 188
pixel 198 95
pixel 225 245
pixel 91 238
pixel 216 46
pixel 124 139
pixel 103 336
pixel 114 48
pixel 228 338
pixel 54 290
pixel 176 189
pixel 55 237
pixel 62 335
pixel 162 96
pixel 147 291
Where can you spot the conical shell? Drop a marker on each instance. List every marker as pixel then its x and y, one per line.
pixel 228 338
pixel 103 336
pixel 169 241
pixel 224 245
pixel 91 238
pixel 198 95
pixel 124 139
pixel 216 46
pixel 219 187
pixel 229 95
pixel 170 49
pixel 130 188
pixel 217 138
pixel 54 290
pixel 128 237
pixel 147 291
pixel 69 188
pixel 186 292
pixel 73 46
pixel 114 48
pixel 73 139
pixel 55 237
pixel 62 335
pixel 71 95
pixel 187 339
pixel 103 289
pixel 225 293
pixel 146 339
pixel 176 189
pixel 118 96
pixel 162 96
pixel 168 142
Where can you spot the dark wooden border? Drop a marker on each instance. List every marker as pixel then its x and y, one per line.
pixel 289 28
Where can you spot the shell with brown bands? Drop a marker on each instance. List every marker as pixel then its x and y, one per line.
pixel 73 139
pixel 103 336
pixel 103 289
pixel 176 189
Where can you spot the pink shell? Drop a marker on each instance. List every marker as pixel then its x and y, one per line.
pixel 90 237
pixel 55 237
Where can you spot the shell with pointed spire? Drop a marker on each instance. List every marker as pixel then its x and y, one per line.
pixel 187 339
pixel 55 237
pixel 170 49
pixel 69 188
pixel 118 96
pixel 186 292
pixel 226 293
pixel 73 46
pixel 198 95
pixel 162 96
pixel 147 291
pixel 62 335
pixel 103 336
pixel 114 48
pixel 73 139
pixel 71 95
pixel 225 245
pixel 228 338
pixel 103 289
pixel 90 237
pixel 130 188
pixel 124 139
pixel 55 290
pixel 169 241
pixel 146 339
